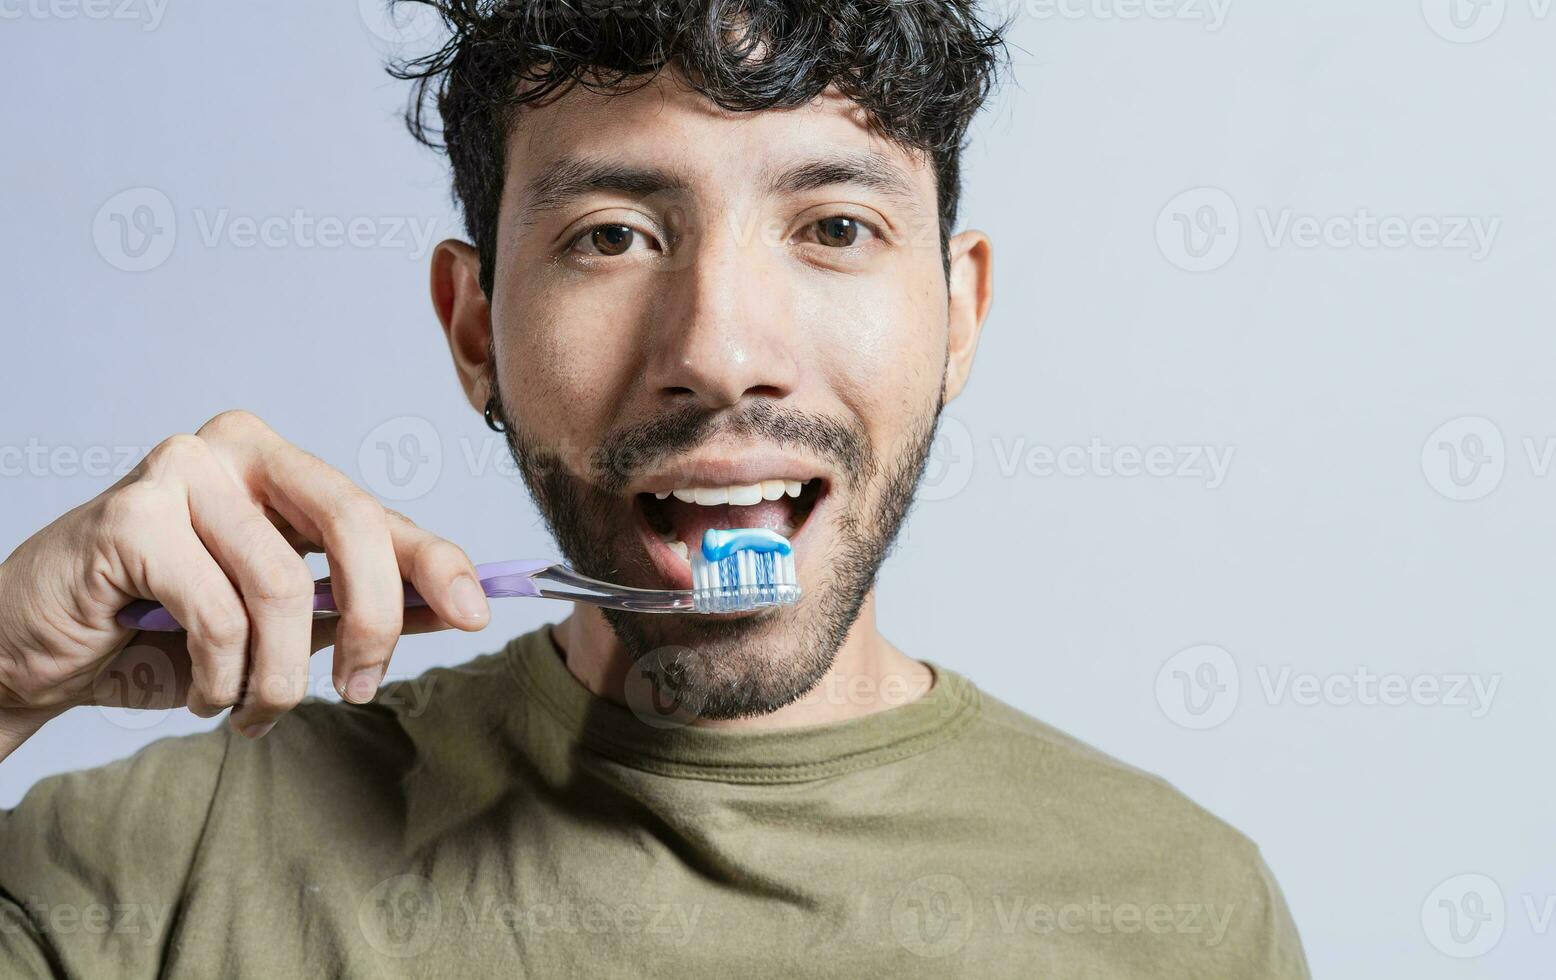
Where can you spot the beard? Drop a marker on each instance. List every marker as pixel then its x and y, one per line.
pixel 714 667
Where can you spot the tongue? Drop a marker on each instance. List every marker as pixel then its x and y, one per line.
pixel 688 522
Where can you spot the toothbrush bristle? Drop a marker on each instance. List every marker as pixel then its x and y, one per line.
pixel 745 579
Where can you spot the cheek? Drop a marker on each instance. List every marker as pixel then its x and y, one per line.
pixel 882 347
pixel 565 354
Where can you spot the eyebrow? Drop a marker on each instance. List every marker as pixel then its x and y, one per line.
pixel 566 180
pixel 870 169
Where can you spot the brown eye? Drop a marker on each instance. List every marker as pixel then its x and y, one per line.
pixel 837 231
pixel 612 239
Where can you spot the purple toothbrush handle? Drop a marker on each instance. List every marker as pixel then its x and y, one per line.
pixel 499 579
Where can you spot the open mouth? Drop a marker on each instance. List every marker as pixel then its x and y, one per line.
pixel 674 520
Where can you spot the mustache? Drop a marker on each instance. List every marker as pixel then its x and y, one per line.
pixel 629 450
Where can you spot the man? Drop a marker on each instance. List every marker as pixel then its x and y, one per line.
pixel 712 283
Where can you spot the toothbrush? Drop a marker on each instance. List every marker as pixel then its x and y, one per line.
pixel 735 570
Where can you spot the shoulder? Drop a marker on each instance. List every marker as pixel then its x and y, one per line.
pixel 1133 839
pixel 80 841
pixel 1052 770
pixel 88 804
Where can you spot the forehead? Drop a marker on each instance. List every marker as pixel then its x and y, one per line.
pixel 669 124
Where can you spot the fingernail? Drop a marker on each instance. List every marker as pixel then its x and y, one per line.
pixel 468 598
pixel 258 731
pixel 362 685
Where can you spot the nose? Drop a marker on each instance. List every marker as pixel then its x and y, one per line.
pixel 726 330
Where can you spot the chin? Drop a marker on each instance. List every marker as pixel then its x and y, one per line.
pixel 741 665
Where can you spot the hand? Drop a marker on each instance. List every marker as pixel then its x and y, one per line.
pixel 214 526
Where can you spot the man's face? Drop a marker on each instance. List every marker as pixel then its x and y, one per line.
pixel 694 315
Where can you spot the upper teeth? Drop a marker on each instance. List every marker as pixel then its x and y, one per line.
pixel 740 496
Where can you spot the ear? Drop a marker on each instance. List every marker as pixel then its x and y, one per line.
pixel 465 313
pixel 971 292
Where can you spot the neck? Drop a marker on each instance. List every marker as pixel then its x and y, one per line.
pixel 867 675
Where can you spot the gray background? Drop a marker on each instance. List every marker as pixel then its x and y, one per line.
pixel 1383 396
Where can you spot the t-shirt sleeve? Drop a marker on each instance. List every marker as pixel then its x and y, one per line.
pixel 93 864
pixel 1268 940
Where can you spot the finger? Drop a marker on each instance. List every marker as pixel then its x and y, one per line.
pixel 309 496
pixel 150 670
pixel 321 503
pixel 441 573
pixel 275 588
pixel 419 619
pixel 294 538
pixel 181 573
pixel 435 567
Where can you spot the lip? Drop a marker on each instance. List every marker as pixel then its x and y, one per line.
pixel 722 471
pixel 676 572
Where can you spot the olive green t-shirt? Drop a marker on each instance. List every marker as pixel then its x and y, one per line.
pixel 495 819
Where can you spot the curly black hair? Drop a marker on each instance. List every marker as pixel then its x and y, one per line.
pixel 920 70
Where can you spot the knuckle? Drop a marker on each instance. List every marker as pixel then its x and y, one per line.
pixel 276 691
pixel 374 628
pixel 233 422
pixel 224 627
pixel 176 451
pixel 222 692
pixel 282 579
pixel 438 554
pixel 398 517
pixel 357 508
pixel 15 692
pixel 130 507
pixel 218 690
